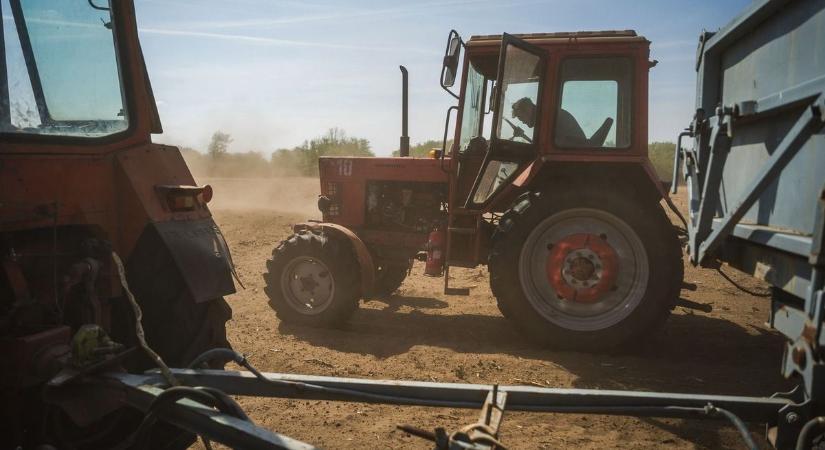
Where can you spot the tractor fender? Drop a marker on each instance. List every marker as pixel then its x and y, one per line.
pixel 196 248
pixel 363 255
pixel 634 173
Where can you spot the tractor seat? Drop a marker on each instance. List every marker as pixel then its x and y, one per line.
pixel 570 134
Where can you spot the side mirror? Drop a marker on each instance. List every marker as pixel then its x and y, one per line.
pixel 451 56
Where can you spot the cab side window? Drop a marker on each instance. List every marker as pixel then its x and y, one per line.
pixel 473 112
pixel 596 103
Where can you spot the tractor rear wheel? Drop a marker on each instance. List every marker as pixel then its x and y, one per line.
pixel 388 279
pixel 587 271
pixel 313 279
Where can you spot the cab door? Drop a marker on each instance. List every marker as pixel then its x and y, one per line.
pixel 486 166
pixel 516 119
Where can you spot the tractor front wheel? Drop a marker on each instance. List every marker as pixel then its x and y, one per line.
pixel 388 279
pixel 586 271
pixel 313 279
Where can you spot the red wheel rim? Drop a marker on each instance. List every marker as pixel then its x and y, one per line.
pixel 582 267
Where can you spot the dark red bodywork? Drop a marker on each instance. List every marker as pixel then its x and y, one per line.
pixel 66 203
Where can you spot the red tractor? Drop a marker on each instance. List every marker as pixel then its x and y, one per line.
pixel 547 182
pixel 80 179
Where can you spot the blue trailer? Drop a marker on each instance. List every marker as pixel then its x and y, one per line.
pixel 755 176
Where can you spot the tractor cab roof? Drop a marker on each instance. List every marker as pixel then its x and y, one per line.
pixel 483 49
pixel 607 36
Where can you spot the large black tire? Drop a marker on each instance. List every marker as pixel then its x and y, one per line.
pixel 177 327
pixel 647 268
pixel 388 279
pixel 310 265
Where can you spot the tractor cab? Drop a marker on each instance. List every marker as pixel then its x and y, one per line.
pixel 526 101
pixel 547 182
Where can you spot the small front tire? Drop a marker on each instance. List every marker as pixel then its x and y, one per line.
pixel 313 279
pixel 388 279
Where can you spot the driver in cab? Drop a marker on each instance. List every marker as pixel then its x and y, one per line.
pixel 568 131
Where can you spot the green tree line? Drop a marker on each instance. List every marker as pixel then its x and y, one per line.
pixel 302 160
pixel 661 155
pixel 422 150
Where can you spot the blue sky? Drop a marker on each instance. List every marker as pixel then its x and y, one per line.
pixel 273 73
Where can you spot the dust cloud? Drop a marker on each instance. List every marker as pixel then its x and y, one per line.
pixel 297 195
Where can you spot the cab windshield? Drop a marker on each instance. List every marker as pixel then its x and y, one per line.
pixel 61 75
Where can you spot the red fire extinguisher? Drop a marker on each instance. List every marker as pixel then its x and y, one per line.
pixel 435 253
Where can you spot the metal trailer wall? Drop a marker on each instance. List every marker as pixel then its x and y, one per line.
pixel 758 79
pixel 755 175
pixel 786 51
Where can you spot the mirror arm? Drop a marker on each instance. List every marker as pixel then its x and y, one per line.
pixel 450 92
pixel 446 131
pixel 99 8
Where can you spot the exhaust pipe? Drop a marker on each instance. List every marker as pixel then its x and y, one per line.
pixel 404 149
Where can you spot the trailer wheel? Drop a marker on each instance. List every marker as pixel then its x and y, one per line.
pixel 388 279
pixel 587 271
pixel 313 279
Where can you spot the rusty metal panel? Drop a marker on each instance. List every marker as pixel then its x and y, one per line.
pixel 348 177
pixel 34 188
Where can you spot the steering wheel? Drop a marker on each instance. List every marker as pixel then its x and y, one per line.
pixel 518 133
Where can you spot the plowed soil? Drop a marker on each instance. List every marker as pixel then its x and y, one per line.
pixel 421 334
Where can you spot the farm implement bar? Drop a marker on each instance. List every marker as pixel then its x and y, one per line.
pixel 224 422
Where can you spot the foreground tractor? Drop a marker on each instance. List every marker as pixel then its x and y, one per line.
pixel 84 195
pixel 547 182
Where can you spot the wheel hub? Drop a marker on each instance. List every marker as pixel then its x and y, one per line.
pixel 307 285
pixel 582 267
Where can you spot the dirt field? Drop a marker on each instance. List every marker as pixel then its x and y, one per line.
pixel 420 334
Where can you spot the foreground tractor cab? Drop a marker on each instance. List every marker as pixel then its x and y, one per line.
pixel 81 180
pixel 547 182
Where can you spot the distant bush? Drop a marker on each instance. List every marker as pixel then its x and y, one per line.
pixel 303 160
pixel 661 155
pixel 228 165
pixel 422 149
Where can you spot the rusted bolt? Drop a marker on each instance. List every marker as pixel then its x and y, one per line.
pixel 614 288
pixel 799 356
pixel 603 236
pixel 549 246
